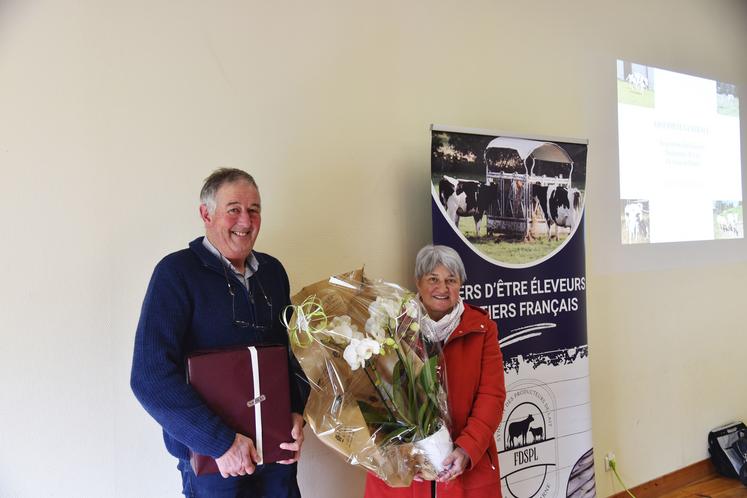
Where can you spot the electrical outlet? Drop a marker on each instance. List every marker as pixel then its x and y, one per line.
pixel 609 457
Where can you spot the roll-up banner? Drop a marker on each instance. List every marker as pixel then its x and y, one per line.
pixel 513 207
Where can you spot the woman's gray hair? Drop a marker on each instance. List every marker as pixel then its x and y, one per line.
pixel 217 179
pixel 430 256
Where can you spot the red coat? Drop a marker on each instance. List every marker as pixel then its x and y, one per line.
pixel 476 389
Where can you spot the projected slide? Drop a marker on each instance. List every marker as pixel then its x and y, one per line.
pixel 680 165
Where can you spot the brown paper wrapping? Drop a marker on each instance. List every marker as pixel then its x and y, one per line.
pixel 332 410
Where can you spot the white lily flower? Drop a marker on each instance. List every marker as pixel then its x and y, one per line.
pixel 367 348
pixel 412 308
pixel 343 330
pixel 375 329
pixel 393 307
pixel 351 355
pixel 358 351
pixel 384 308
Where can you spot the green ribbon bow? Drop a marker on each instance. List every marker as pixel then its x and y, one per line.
pixel 308 319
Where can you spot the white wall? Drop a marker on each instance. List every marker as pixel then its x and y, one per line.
pixel 111 114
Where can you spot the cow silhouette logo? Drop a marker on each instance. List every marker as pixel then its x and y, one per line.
pixel 526 442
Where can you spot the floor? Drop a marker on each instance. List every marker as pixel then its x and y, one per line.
pixel 711 487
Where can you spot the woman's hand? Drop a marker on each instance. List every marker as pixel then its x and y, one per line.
pixel 454 465
pixel 297 435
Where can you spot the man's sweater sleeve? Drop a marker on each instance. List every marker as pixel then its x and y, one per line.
pixel 158 373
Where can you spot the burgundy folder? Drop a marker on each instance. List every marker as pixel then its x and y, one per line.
pixel 226 380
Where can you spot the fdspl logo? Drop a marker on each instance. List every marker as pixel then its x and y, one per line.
pixel 527 448
pixel 518 432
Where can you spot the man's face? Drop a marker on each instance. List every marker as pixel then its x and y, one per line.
pixel 234 226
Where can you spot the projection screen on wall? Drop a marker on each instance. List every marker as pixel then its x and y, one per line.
pixel 680 164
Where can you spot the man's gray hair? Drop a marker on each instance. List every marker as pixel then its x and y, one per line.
pixel 217 179
pixel 430 256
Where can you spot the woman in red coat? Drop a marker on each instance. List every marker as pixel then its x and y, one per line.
pixel 475 385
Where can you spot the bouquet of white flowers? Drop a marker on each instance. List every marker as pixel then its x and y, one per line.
pixel 378 389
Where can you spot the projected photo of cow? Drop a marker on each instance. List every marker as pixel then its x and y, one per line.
pixel 514 200
pixel 635 84
pixel 728 220
pixel 635 221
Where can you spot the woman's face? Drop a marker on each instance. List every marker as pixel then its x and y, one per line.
pixel 439 291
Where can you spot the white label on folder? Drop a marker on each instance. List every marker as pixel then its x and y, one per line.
pixel 256 400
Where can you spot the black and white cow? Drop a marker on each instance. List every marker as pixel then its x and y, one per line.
pixel 560 206
pixel 729 224
pixel 638 81
pixel 634 222
pixel 466 198
pixel 516 199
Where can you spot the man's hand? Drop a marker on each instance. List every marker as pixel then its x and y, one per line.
pixel 454 465
pixel 297 435
pixel 239 459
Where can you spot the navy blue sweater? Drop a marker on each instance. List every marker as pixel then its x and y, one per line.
pixel 187 308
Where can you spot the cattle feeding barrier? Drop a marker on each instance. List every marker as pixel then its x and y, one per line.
pixel 520 168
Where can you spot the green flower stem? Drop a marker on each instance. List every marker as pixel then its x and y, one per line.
pixel 411 392
pixel 382 396
pixel 407 419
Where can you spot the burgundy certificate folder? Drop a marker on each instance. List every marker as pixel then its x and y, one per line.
pixel 248 388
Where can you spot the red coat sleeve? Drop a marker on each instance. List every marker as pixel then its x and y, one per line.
pixel 487 409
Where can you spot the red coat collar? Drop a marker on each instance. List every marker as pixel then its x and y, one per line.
pixel 473 321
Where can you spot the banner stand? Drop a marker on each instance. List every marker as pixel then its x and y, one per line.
pixel 513 207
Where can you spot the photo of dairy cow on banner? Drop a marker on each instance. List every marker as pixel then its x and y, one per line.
pixel 513 208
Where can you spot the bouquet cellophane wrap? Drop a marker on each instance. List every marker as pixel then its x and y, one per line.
pixel 377 383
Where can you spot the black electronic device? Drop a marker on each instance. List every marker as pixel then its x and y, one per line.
pixel 728 448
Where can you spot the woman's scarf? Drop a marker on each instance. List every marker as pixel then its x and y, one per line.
pixel 442 329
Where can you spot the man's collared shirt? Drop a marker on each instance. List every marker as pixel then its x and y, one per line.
pixel 250 268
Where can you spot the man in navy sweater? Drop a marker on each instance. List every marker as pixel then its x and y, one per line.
pixel 216 294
